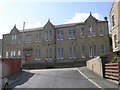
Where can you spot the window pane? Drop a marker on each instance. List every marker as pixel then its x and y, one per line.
pixel 82 32
pixel 28 38
pixel 37 36
pixel 14 53
pixel 70 34
pixel 83 51
pixel 13 39
pixel 50 35
pixel 89 31
pixel 11 54
pixel 95 50
pixel 58 35
pixel 115 41
pixel 70 52
pixel 46 36
pixel 62 53
pixel 113 20
pixel 39 53
pixel 93 31
pixel 74 52
pixel 58 53
pixel 46 54
pixel 50 53
pixel 73 34
pixel 90 51
pixel 7 54
pixel 19 53
pixel 101 30
pixel 61 34
pixel 102 49
pixel 35 53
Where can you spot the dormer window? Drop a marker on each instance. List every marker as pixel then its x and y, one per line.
pixel 91 31
pixel 48 36
pixel 13 39
pixel 101 30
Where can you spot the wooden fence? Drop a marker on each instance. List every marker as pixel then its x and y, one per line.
pixel 112 71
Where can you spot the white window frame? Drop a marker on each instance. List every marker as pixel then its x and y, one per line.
pixel 90 51
pixel 102 49
pixel 13 39
pixel 19 54
pixel 95 50
pixel 93 31
pixel 37 37
pixel 72 52
pixel 48 36
pixel 101 30
pixel 60 53
pixel 12 54
pixel 73 34
pixel 37 54
pixel 58 35
pixel 115 41
pixel 48 54
pixel 28 38
pixel 70 34
pixel 7 54
pixel 61 35
pixel 113 21
pixel 82 32
pixel 89 31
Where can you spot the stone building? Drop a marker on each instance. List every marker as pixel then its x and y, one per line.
pixel 0 48
pixel 66 42
pixel 115 25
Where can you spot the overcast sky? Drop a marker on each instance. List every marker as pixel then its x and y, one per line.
pixel 36 14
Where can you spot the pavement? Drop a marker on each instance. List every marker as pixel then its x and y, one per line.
pixel 98 80
pixel 89 75
pixel 15 77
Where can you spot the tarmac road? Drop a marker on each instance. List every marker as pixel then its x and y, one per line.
pixel 53 78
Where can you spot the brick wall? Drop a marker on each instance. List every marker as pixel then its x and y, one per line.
pixel 11 66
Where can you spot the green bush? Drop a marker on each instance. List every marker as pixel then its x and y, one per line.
pixel 113 61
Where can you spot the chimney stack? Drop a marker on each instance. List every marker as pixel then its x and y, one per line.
pixel 105 18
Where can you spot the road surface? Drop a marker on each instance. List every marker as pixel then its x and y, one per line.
pixel 53 78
